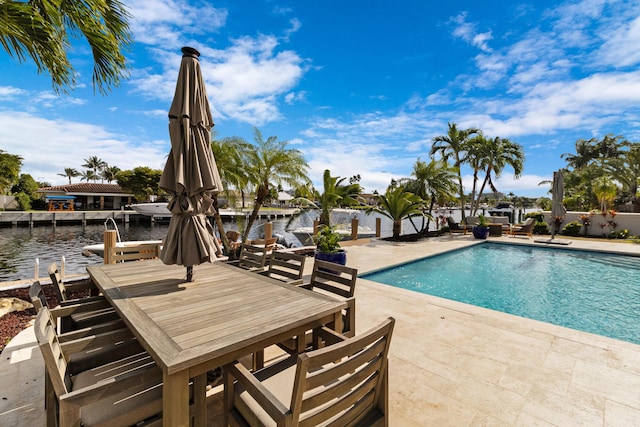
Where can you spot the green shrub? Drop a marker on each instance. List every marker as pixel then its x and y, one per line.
pixel 541 227
pixel 622 234
pixel 24 201
pixel 538 216
pixel 572 229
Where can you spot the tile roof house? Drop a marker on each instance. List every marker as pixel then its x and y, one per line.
pixel 86 196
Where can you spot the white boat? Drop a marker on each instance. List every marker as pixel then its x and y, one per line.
pixel 98 248
pixel 155 210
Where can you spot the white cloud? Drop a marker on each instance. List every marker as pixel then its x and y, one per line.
pixel 65 143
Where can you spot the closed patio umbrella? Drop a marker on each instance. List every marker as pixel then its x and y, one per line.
pixel 557 194
pixel 190 174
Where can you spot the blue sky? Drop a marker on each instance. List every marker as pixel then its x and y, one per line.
pixel 359 87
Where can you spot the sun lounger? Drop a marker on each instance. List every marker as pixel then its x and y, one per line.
pixel 525 230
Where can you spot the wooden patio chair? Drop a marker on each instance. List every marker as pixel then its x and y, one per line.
pixel 454 227
pixel 269 244
pixel 525 230
pixel 336 281
pixel 64 315
pixel 251 257
pixel 286 266
pixel 118 392
pixel 63 290
pixel 343 384
pixel 137 252
pixel 101 311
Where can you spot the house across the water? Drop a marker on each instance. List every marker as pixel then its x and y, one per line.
pixel 85 196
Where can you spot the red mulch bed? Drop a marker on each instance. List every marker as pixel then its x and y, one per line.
pixel 11 324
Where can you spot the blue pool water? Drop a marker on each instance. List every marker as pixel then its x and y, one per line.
pixel 591 292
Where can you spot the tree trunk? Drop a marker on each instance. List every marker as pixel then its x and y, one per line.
pixel 261 195
pixel 397 227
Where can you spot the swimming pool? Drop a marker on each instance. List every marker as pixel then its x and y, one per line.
pixel 591 292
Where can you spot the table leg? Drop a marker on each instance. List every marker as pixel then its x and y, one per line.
pixel 175 400
pixel 200 400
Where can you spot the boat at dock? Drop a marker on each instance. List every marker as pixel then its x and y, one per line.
pixel 155 210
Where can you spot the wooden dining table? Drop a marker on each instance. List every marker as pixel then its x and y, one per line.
pixel 193 327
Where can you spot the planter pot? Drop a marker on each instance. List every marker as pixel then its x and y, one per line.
pixel 339 257
pixel 480 232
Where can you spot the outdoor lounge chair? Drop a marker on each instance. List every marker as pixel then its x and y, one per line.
pixel 114 392
pixel 286 266
pixel 345 383
pixel 63 290
pixel 525 230
pixel 454 227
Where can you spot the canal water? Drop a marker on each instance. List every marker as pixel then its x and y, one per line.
pixel 21 246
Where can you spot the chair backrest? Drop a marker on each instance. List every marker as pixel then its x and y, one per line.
pixel 452 224
pixel 54 359
pixel 334 278
pixel 499 219
pixel 269 244
pixel 252 257
pixel 56 281
pixel 471 220
pixel 348 379
pixel 286 266
pixel 37 296
pixel 232 235
pixel 528 225
pixel 135 252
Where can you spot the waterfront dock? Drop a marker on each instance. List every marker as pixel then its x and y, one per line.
pixel 46 218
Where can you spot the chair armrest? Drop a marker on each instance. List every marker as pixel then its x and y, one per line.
pixel 256 389
pixel 100 328
pixel 82 300
pixel 82 344
pixel 110 386
pixel 329 336
pixel 79 307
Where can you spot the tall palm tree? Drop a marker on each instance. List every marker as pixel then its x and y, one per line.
pixel 88 175
pixel 433 181
pixel 109 173
pixel 96 164
pixel 398 204
pixel 626 170
pixel 497 154
pixel 269 163
pixel 229 153
pixel 453 145
pixel 336 194
pixel 70 173
pixel 41 30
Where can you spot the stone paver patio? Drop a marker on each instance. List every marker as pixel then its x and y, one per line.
pixel 451 364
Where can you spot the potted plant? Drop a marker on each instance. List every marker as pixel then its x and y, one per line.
pixel 328 246
pixel 481 229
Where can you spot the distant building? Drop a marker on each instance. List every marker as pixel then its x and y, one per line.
pixel 85 196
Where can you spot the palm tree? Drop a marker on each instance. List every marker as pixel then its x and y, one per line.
pixel 269 163
pixel 88 175
pixel 500 153
pixel 70 173
pixel 109 173
pixel 626 170
pixel 336 194
pixel 453 145
pixel 398 204
pixel 96 164
pixel 42 31
pixel 230 158
pixel 229 155
pixel 433 181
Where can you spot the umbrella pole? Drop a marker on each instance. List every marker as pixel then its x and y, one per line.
pixel 190 273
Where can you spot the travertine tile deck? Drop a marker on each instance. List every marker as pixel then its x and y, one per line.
pixel 451 364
